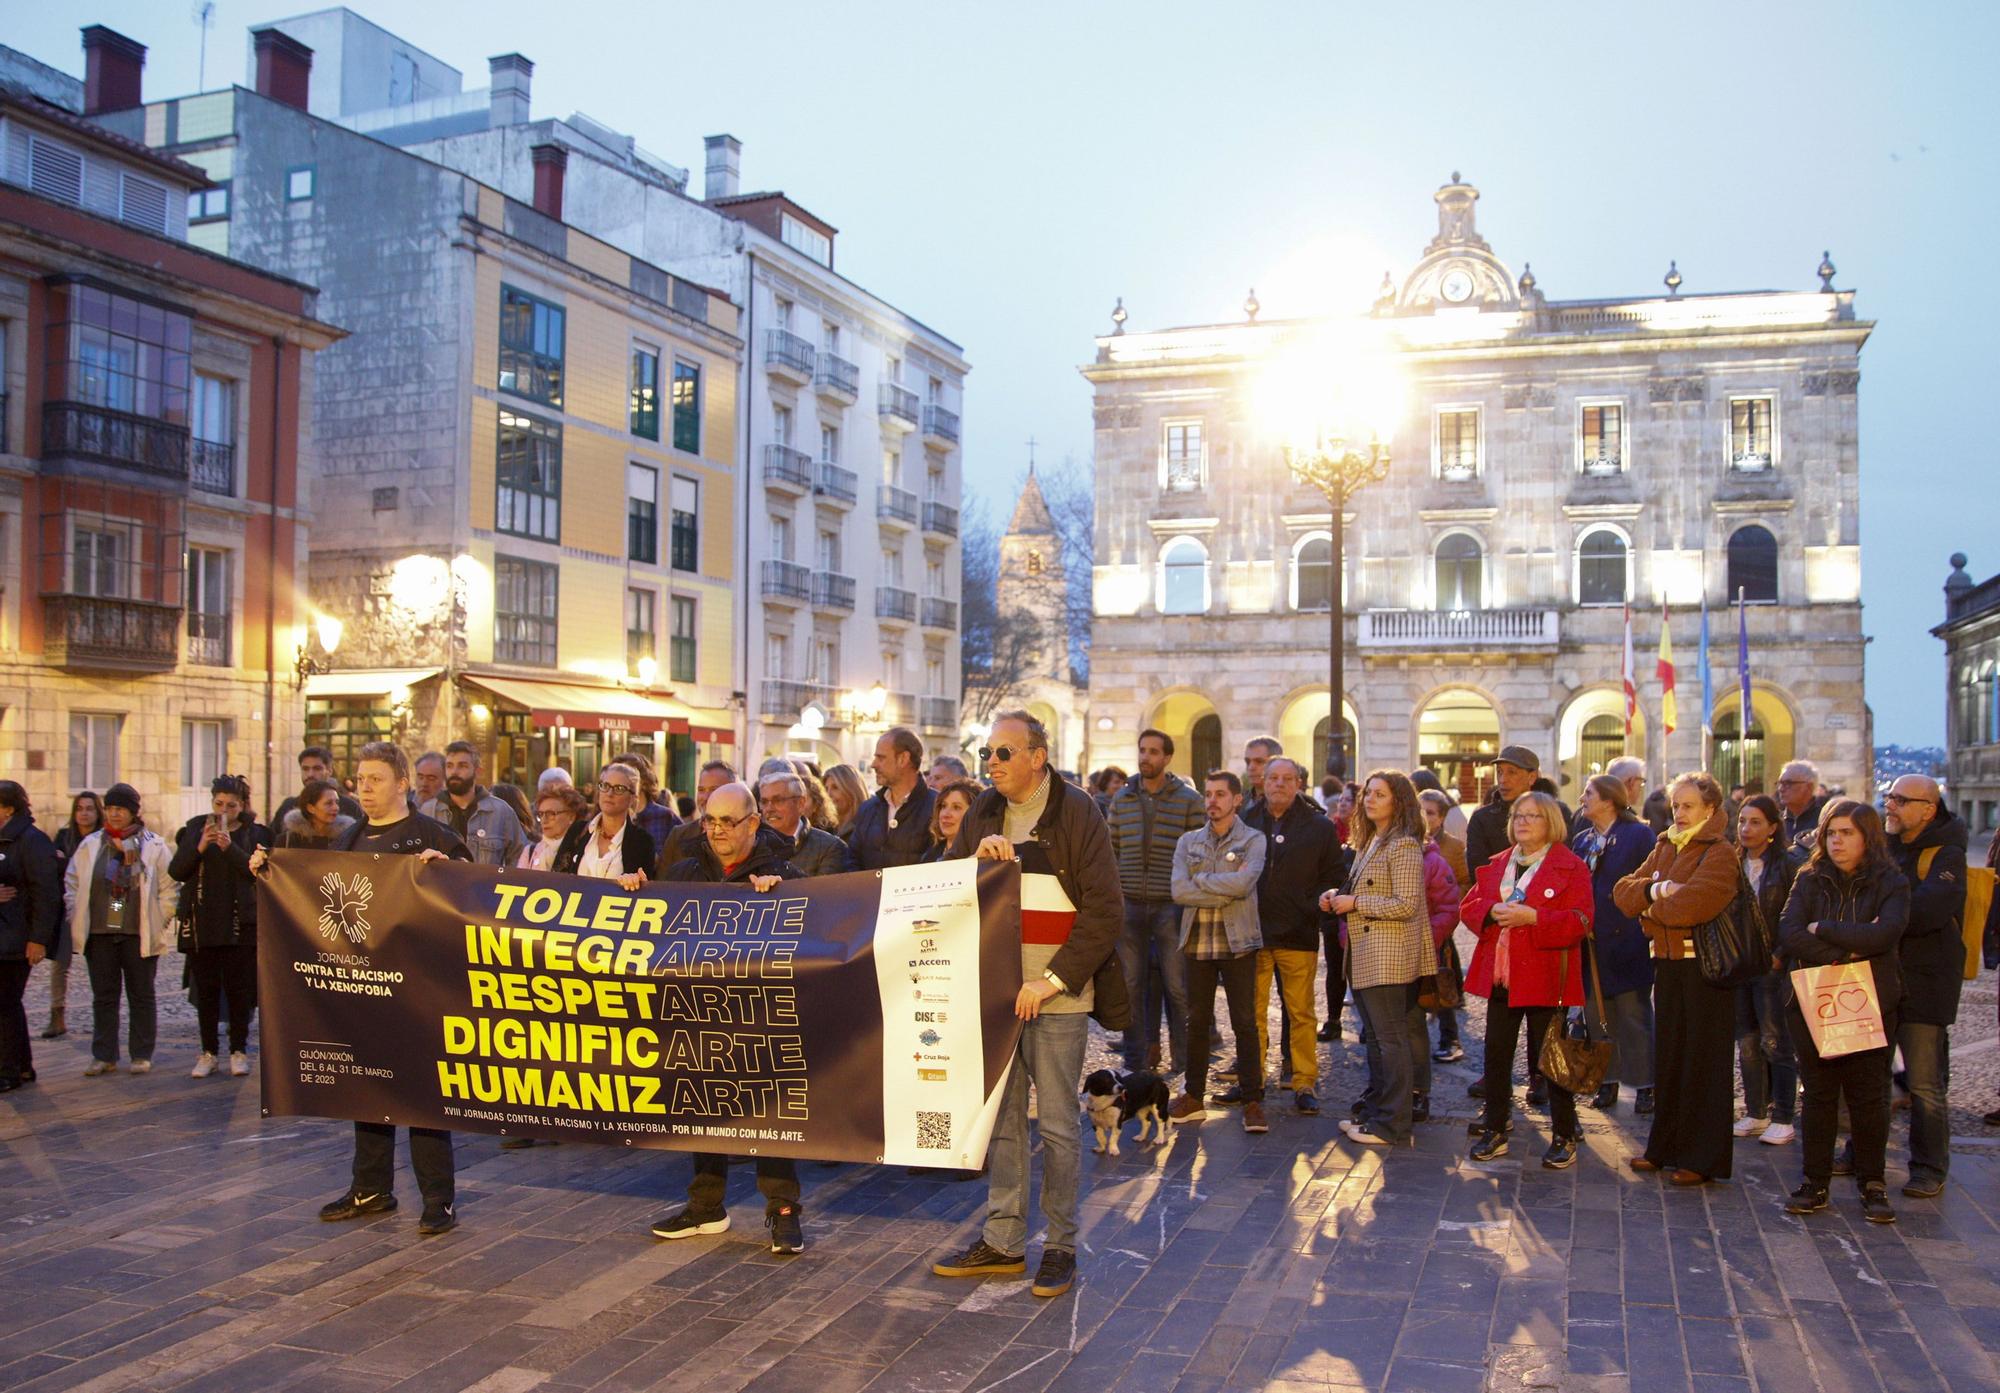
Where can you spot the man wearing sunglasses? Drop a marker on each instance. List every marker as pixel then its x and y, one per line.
pixel 1928 842
pixel 1071 914
pixel 893 828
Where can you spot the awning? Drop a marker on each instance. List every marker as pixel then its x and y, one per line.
pixel 364 682
pixel 577 707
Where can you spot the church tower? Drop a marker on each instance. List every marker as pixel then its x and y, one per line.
pixel 1033 583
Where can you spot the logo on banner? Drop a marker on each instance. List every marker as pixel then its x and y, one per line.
pixel 930 1076
pixel 343 906
pixel 918 926
pixel 930 1037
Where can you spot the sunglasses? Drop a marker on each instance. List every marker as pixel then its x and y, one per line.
pixel 1000 753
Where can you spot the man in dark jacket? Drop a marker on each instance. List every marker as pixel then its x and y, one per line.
pixel 1928 842
pixel 1068 969
pixel 1145 821
pixel 893 828
pixel 781 800
pixel 681 841
pixel 1799 803
pixel 1302 859
pixel 31 914
pixel 732 853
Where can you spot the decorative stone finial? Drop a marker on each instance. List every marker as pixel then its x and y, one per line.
pixel 1825 272
pixel 1250 306
pixel 1386 291
pixel 1958 582
pixel 1455 179
pixel 1527 279
pixel 1118 316
pixel 1673 278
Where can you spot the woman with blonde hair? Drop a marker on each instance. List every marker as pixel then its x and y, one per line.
pixel 1389 949
pixel 844 789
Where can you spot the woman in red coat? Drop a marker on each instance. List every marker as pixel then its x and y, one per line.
pixel 1531 907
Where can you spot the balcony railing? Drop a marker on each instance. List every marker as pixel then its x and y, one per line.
pixel 900 709
pixel 833 591
pixel 95 633
pixel 837 378
pixel 897 406
pixel 786 580
pixel 941 518
pixel 836 485
pixel 783 700
pixel 940 613
pixel 1600 466
pixel 1457 630
pixel 937 713
pixel 89 432
pixel 788 355
pixel 940 425
pixel 895 505
pixel 208 639
pixel 1458 471
pixel 789 469
pixel 1184 473
pixel 899 605
pixel 212 466
pixel 1751 461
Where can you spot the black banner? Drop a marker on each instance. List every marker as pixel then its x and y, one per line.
pixel 864 1017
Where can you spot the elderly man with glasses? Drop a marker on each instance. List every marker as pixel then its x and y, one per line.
pixel 1799 802
pixel 1928 842
pixel 1072 912
pixel 782 799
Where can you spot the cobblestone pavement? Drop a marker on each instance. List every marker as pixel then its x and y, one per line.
pixel 157 1233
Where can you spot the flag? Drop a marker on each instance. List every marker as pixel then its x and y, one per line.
pixel 1707 677
pixel 1742 663
pixel 1669 711
pixel 1631 680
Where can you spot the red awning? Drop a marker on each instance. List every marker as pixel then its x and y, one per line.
pixel 576 707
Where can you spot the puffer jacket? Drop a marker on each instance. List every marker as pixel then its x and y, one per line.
pixel 1932 951
pixel 1545 958
pixel 1145 828
pixel 1860 918
pixel 1706 872
pixel 1441 893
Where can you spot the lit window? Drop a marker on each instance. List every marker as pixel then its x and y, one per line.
pixel 1458 444
pixel 1184 577
pixel 1460 560
pixel 1751 442
pixel 1603 450
pixel 1601 568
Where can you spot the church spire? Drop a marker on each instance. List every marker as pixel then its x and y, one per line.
pixel 1031 514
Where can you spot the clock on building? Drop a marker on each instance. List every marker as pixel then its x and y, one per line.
pixel 1456 287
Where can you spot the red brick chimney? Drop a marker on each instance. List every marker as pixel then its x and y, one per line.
pixel 551 165
pixel 284 67
pixel 111 67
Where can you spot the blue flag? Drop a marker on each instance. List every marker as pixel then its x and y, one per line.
pixel 1707 677
pixel 1743 661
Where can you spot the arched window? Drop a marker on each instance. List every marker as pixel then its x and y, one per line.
pixel 1205 746
pixel 1184 577
pixel 1988 731
pixel 1459 563
pixel 1324 754
pixel 1753 565
pixel 1601 568
pixel 1969 723
pixel 1602 740
pixel 1312 574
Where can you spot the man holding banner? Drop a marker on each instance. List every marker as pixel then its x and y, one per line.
pixel 1071 914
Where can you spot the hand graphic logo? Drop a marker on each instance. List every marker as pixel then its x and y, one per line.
pixel 344 907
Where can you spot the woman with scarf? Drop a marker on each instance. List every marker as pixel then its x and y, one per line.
pixel 557 808
pixel 1614 842
pixel 120 903
pixel 212 858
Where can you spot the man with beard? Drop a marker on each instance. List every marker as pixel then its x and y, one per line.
pixel 487 826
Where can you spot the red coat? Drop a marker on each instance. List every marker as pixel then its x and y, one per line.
pixel 1562 898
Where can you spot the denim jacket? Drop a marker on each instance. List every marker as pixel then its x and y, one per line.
pixel 1221 874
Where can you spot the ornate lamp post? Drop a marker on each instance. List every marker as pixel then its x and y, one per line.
pixel 1338 470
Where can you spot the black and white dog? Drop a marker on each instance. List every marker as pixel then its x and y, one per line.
pixel 1113 1099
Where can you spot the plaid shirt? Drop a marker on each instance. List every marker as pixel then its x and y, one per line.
pixel 1209 938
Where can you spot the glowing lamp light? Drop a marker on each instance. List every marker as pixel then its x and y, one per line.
pixel 649 668
pixel 418 583
pixel 330 630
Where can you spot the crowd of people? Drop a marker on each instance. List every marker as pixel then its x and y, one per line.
pixel 1165 892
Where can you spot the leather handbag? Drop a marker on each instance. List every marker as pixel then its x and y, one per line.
pixel 1444 991
pixel 1734 948
pixel 1577 1066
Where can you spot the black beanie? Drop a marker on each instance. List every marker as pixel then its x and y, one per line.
pixel 122 796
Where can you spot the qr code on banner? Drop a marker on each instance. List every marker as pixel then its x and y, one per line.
pixel 934 1131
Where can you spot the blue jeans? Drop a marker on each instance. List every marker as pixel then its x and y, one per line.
pixel 1152 938
pixel 1764 1048
pixel 1051 1056
pixel 1399 1057
pixel 1927 1060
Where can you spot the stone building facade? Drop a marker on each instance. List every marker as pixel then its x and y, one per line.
pixel 1554 465
pixel 1971 634
pixel 1032 639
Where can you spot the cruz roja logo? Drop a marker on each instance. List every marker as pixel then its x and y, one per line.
pixel 343 907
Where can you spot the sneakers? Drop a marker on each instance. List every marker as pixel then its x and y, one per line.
pixel 239 1063
pixel 786 1235
pixel 1448 1054
pixel 1056 1273
pixel 1253 1118
pixel 1875 1204
pixel 1307 1102
pixel 1778 1133
pixel 1478 1127
pixel 1751 1127
pixel 1807 1199
pixel 1924 1187
pixel 1561 1154
pixel 1491 1146
pixel 1604 1100
pixel 1363 1135
pixel 100 1066
pixel 142 1066
pixel 438 1217
pixel 1187 1109
pixel 982 1259
pixel 203 1066
pixel 355 1203
pixel 688 1224
pixel 1642 1101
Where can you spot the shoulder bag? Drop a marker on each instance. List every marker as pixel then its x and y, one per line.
pixel 1577 1066
pixel 1734 948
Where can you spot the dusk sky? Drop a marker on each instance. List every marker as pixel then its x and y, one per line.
pixel 1002 173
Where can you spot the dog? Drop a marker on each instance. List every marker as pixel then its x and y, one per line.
pixel 1113 1099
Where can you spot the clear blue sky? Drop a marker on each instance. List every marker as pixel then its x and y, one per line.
pixel 1004 172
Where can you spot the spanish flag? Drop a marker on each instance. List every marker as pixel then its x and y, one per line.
pixel 1669 712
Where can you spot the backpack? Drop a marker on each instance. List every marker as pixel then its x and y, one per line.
pixel 1979 881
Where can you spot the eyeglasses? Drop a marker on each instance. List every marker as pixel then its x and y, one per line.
pixel 623 790
pixel 725 824
pixel 544 814
pixel 1897 800
pixel 999 753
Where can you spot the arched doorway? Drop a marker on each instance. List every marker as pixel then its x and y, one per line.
pixel 1187 717
pixel 1591 734
pixel 1458 733
pixel 1753 757
pixel 1305 729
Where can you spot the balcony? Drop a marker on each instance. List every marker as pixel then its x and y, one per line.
pixel 788 356
pixel 1751 461
pixel 787 470
pixel 837 379
pixel 75 430
pixel 937 713
pixel 940 427
pixel 832 484
pixel 900 709
pixel 787 581
pixel 95 633
pixel 833 592
pixel 894 505
pixel 941 518
pixel 1603 466
pixel 212 466
pixel 897 606
pixel 897 406
pixel 1456 631
pixel 940 614
pixel 784 700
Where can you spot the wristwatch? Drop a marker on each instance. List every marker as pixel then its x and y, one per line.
pixel 1057 981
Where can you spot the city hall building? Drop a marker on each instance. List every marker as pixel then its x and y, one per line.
pixel 1557 461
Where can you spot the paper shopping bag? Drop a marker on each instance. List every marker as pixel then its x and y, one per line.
pixel 1841 1008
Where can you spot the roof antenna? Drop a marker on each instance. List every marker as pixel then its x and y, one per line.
pixel 203 15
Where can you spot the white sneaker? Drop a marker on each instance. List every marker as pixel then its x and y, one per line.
pixel 1751 1127
pixel 239 1063
pixel 142 1066
pixel 203 1067
pixel 1778 1133
pixel 99 1066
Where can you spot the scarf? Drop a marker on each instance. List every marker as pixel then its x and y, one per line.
pixel 118 838
pixel 1513 890
pixel 1681 836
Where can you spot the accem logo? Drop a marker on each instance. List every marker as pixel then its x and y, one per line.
pixel 344 906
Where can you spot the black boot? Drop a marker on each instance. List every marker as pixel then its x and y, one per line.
pixel 1606 1098
pixel 1420 1107
pixel 1642 1102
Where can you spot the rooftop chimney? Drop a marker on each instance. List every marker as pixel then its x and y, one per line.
pixel 511 74
pixel 111 67
pixel 551 165
pixel 725 167
pixel 284 67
